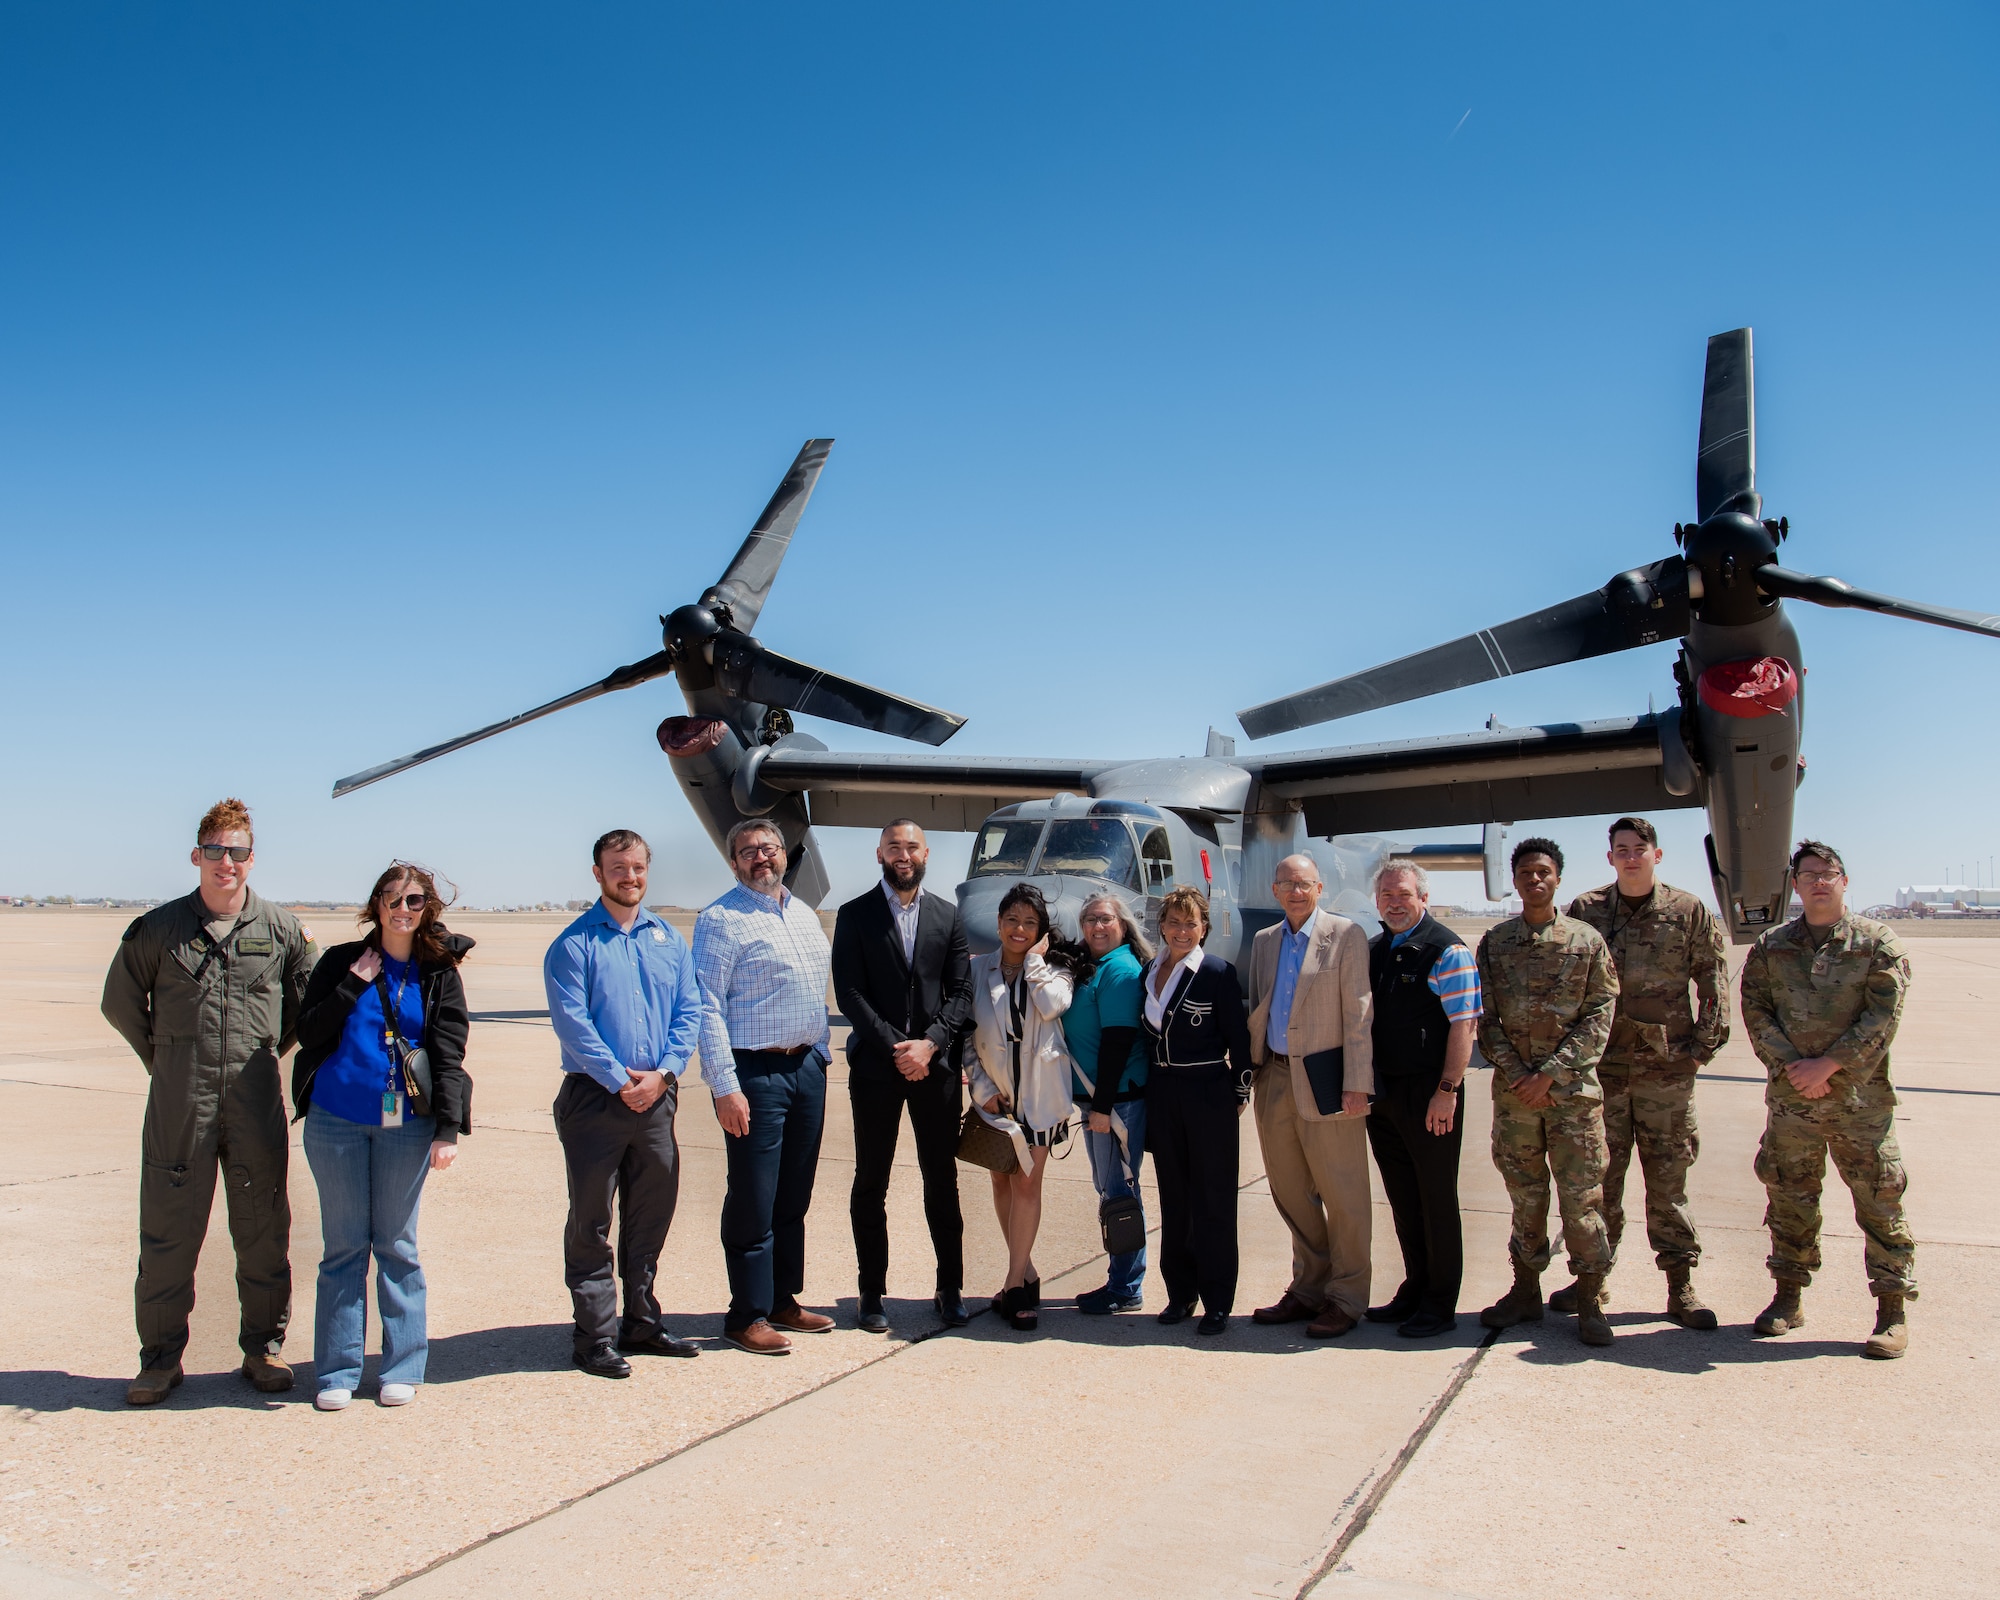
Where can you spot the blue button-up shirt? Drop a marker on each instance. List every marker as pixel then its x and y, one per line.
pixel 1291 957
pixel 764 964
pixel 623 1000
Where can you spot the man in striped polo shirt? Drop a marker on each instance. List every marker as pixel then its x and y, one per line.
pixel 1427 1008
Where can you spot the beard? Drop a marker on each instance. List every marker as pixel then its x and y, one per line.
pixel 764 877
pixel 903 876
pixel 625 894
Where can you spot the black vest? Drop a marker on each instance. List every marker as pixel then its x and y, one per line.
pixel 1410 1023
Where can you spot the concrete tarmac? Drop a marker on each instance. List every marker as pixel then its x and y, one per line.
pixel 1100 1456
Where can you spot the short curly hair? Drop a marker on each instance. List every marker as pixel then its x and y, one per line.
pixel 225 816
pixel 1537 846
pixel 1189 902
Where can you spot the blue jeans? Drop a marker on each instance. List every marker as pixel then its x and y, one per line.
pixel 1107 1172
pixel 370 1180
pixel 771 1171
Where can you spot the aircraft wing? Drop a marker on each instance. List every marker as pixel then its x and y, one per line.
pixel 1567 769
pixel 950 794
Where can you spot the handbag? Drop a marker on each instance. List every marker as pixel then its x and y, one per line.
pixel 1120 1218
pixel 412 1061
pixel 980 1144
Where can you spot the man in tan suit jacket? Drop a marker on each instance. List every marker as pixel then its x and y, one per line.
pixel 1309 992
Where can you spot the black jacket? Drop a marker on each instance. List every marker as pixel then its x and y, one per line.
pixel 1410 1025
pixel 1205 1022
pixel 887 999
pixel 332 992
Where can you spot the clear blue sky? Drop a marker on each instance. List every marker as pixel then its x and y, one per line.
pixel 371 372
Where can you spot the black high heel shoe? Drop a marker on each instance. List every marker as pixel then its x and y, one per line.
pixel 1032 1288
pixel 1019 1310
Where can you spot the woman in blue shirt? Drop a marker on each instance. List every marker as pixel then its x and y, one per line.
pixel 1102 1026
pixel 369 1150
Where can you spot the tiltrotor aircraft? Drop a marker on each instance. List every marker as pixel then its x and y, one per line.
pixel 1221 821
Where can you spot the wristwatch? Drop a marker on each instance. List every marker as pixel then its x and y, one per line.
pixel 1447 1088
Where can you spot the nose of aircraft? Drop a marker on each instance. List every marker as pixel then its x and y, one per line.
pixel 979 904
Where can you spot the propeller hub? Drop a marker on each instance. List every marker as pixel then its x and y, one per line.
pixel 1727 550
pixel 688 630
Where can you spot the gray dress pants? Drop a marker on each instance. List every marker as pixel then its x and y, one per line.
pixel 612 1152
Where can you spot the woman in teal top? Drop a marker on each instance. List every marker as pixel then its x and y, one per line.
pixel 1102 1025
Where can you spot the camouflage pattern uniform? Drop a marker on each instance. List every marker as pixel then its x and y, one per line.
pixel 1658 1042
pixel 1843 1001
pixel 1549 994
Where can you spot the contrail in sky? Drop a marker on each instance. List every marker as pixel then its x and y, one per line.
pixel 1457 125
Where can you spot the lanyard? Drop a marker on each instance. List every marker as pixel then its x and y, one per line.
pixel 392 1021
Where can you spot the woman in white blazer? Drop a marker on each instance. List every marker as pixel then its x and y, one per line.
pixel 1019 1070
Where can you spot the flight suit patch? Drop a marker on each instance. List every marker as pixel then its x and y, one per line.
pixel 131 932
pixel 253 947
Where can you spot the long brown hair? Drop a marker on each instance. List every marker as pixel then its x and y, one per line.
pixel 431 948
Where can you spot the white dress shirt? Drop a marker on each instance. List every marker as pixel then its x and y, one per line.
pixel 763 965
pixel 1156 1004
pixel 905 917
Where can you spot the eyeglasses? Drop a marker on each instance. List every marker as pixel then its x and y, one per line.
pixel 415 900
pixel 1294 886
pixel 1812 880
pixel 1099 919
pixel 760 852
pixel 239 853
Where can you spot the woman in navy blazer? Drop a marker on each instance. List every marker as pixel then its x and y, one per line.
pixel 1198 1040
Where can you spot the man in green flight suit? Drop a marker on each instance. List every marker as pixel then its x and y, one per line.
pixel 1664 942
pixel 1821 999
pixel 1550 990
pixel 206 990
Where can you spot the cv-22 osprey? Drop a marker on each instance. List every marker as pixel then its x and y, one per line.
pixel 1221 821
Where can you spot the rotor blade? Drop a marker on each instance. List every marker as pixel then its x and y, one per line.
pixel 1727 463
pixel 1787 585
pixel 1635 608
pixel 654 666
pixel 746 584
pixel 744 668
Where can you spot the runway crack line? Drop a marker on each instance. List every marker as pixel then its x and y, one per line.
pixel 1371 1502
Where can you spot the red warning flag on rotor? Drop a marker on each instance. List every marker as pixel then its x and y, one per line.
pixel 1759 688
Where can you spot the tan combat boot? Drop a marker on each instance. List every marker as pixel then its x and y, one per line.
pixel 1564 1301
pixel 1591 1327
pixel 153 1385
pixel 1784 1313
pixel 1891 1336
pixel 1522 1303
pixel 1683 1304
pixel 269 1373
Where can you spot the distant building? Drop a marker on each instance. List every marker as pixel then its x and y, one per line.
pixel 1947 900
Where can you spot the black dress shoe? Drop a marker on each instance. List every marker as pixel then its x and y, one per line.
pixel 868 1318
pixel 602 1362
pixel 1401 1307
pixel 661 1344
pixel 951 1309
pixel 1427 1325
pixel 1175 1312
pixel 1213 1322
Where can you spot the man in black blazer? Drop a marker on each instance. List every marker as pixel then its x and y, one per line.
pixel 902 977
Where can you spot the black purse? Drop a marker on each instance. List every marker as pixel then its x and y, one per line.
pixel 412 1062
pixel 1121 1219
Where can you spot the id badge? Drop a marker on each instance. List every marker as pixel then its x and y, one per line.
pixel 392 1108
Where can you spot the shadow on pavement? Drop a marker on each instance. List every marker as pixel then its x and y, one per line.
pixel 1666 1347
pixel 201 1391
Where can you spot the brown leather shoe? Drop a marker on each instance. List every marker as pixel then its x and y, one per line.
pixel 796 1319
pixel 1290 1308
pixel 760 1339
pixel 1330 1324
pixel 153 1385
pixel 269 1373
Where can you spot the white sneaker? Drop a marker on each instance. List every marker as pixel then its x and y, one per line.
pixel 333 1399
pixel 397 1394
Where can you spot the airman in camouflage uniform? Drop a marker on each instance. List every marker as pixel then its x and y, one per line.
pixel 1549 990
pixel 1663 941
pixel 208 1001
pixel 1822 996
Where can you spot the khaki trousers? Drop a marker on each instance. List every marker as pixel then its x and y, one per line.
pixel 1318 1173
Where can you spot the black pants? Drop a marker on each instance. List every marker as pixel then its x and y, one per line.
pixel 878 1096
pixel 611 1151
pixel 1420 1177
pixel 771 1171
pixel 1191 1134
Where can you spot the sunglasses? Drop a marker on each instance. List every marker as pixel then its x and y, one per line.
pixel 415 900
pixel 238 853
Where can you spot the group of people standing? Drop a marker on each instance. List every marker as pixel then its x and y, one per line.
pixel 1595 1022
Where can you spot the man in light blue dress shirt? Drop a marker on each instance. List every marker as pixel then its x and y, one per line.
pixel 763 962
pixel 626 1006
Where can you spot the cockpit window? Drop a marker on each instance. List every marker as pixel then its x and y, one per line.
pixel 1097 847
pixel 1156 857
pixel 1004 847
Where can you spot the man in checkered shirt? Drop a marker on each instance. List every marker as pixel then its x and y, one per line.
pixel 763 963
